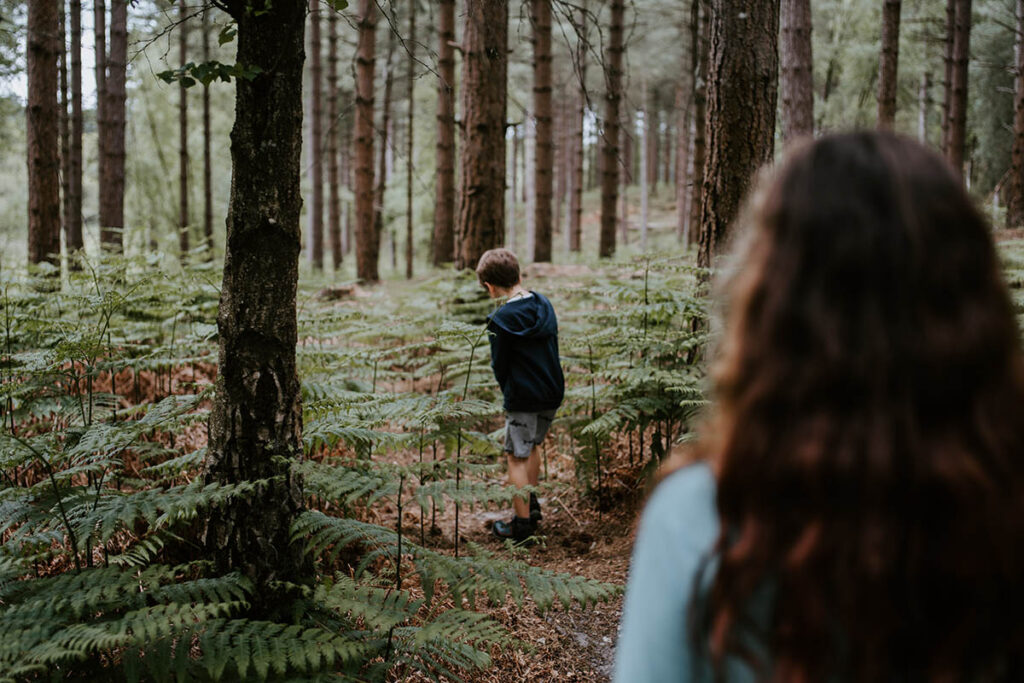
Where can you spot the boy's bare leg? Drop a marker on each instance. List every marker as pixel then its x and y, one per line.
pixel 519 476
pixel 534 466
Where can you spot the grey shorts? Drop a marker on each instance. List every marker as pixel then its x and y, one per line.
pixel 523 431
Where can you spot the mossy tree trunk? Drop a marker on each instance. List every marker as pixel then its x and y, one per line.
pixel 256 419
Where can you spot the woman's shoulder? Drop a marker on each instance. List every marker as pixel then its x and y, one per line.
pixel 682 509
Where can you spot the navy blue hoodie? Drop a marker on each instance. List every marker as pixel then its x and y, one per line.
pixel 524 354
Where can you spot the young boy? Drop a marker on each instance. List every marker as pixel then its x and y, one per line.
pixel 524 355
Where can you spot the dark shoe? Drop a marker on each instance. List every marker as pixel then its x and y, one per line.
pixel 518 529
pixel 535 515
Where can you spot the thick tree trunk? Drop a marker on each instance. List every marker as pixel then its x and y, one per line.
pixel 1015 203
pixel 797 74
pixel 540 11
pixel 256 419
pixel 183 208
pixel 576 177
pixel 947 77
pixel 888 63
pixel 112 197
pixel 958 88
pixel 333 193
pixel 384 168
pixel 42 134
pixel 481 223
pixel 701 17
pixel 73 235
pixel 410 87
pixel 444 199
pixel 207 161
pixel 367 245
pixel 611 125
pixel 742 91
pixel 316 213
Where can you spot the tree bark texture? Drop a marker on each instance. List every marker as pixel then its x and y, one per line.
pixel 111 213
pixel 540 18
pixel 611 126
pixel 481 224
pixel 742 91
pixel 384 168
pixel 316 213
pixel 367 245
pixel 73 234
pixel 256 418
pixel 42 134
pixel 958 86
pixel 576 182
pixel 444 198
pixel 947 77
pixel 410 88
pixel 183 208
pixel 99 23
pixel 888 63
pixel 1015 203
pixel 797 74
pixel 207 161
pixel 333 124
pixel 701 27
pixel 64 127
pixel 684 99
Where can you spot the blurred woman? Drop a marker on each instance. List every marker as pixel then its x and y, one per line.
pixel 858 514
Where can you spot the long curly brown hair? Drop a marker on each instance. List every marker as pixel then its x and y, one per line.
pixel 868 440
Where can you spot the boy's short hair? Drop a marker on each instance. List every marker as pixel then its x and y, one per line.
pixel 500 267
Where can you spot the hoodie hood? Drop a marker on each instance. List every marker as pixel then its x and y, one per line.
pixel 532 317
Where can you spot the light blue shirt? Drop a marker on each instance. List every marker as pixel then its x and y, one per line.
pixel 677 532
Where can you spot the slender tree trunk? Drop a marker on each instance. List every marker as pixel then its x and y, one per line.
pixel 102 136
pixel 652 123
pixel 666 152
pixel 42 134
pixel 333 123
pixel 797 76
pixel 545 157
pixel 207 161
pixel 347 162
pixel 530 181
pixel 368 246
pixel 410 88
pixel 742 91
pixel 644 178
pixel 73 237
pixel 444 199
pixel 111 212
pixel 562 155
pixel 924 102
pixel 1015 205
pixel 626 137
pixel 701 15
pixel 481 223
pixel 64 122
pixel 958 96
pixel 683 86
pixel 888 64
pixel 510 234
pixel 947 78
pixel 316 214
pixel 183 208
pixel 610 134
pixel 576 177
pixel 385 142
pixel 256 418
